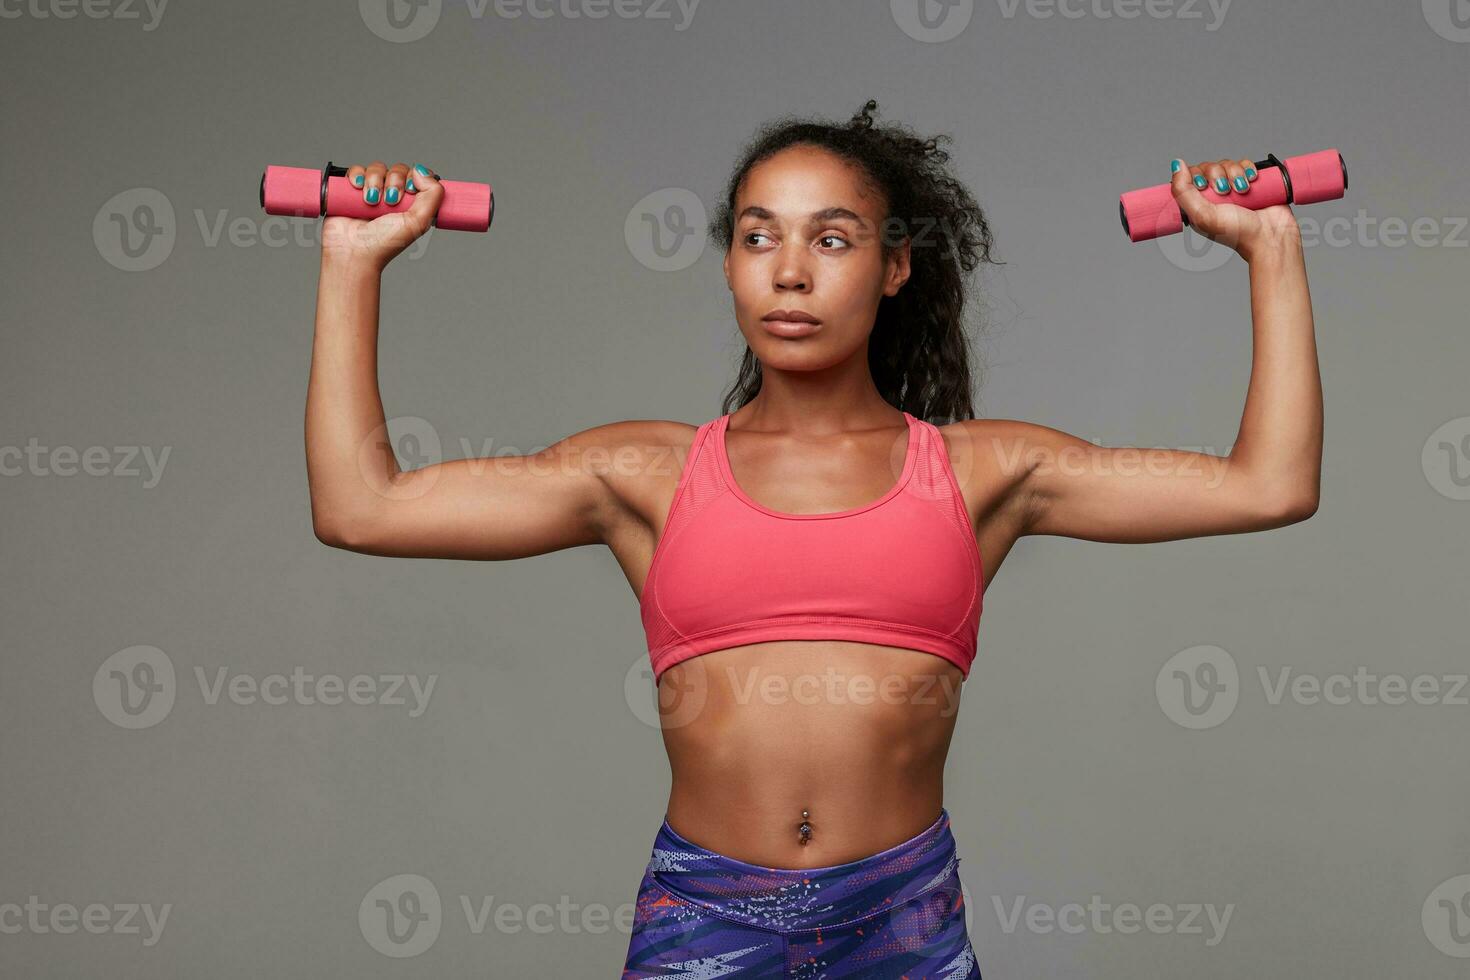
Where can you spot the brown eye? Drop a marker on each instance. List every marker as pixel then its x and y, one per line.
pixel 833 238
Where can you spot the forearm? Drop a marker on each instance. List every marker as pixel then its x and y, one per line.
pixel 1279 445
pixel 348 460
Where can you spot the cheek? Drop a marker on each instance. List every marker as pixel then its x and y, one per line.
pixel 854 287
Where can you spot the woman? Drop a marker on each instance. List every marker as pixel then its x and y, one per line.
pixel 810 564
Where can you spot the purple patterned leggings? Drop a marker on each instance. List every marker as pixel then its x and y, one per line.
pixel 895 914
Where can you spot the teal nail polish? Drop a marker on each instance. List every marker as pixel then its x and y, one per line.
pixel 372 195
pixel 1221 186
pixel 1241 183
pixel 409 186
pixel 1174 166
pixel 421 169
pixel 1199 181
pixel 392 195
pixel 357 181
pixel 1250 173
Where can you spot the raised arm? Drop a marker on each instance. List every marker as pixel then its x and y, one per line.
pixel 1270 477
pixel 486 508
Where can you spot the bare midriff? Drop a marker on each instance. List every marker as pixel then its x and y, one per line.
pixel 853 735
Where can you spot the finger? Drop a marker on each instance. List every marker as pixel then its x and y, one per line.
pixel 372 193
pixel 410 186
pixel 1197 177
pixel 356 175
pixel 393 183
pixel 1248 167
pixel 1235 174
pixel 1215 174
pixel 428 195
pixel 1185 185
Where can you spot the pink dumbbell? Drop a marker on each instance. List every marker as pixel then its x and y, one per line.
pixel 1151 212
pixel 306 193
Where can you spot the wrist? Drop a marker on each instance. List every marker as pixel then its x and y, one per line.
pixel 1275 241
pixel 350 264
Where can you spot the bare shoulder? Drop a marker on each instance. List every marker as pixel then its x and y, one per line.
pixel 998 452
pixel 637 460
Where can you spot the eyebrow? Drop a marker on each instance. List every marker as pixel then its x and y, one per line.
pixel 816 217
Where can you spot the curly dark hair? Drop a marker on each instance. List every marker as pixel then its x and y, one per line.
pixel 919 351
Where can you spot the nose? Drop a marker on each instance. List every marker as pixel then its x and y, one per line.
pixel 791 276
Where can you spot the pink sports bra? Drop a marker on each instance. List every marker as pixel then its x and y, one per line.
pixel 903 570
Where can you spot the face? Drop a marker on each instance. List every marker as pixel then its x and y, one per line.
pixel 808 242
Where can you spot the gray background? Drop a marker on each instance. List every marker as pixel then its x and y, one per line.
pixel 534 775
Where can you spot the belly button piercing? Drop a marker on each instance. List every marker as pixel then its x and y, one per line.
pixel 805 830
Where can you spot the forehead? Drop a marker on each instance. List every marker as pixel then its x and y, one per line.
pixel 802 179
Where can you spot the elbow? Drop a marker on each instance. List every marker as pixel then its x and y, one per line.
pixel 329 533
pixel 339 531
pixel 1289 508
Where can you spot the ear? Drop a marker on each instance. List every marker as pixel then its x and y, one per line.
pixel 896 270
pixel 726 266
